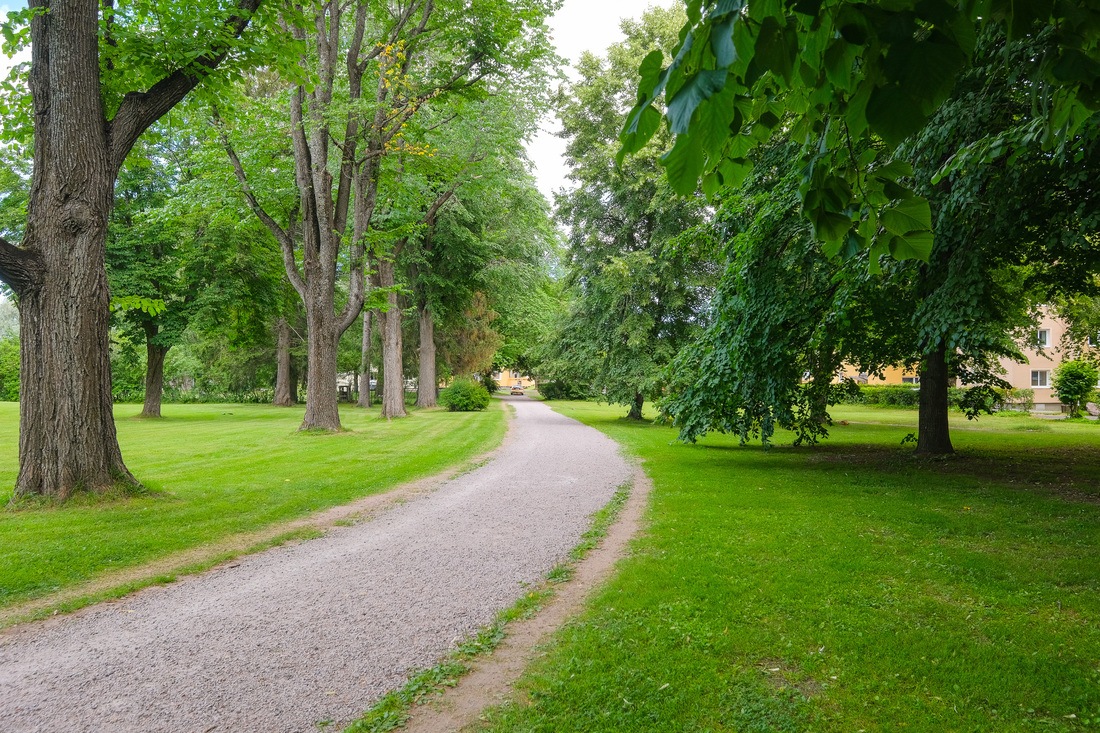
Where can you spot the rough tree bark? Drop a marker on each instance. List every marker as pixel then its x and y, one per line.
pixel 393 368
pixel 284 389
pixel 636 407
pixel 364 361
pixel 427 391
pixel 933 431
pixel 154 372
pixel 67 438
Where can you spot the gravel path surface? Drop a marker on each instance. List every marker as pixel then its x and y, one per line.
pixel 317 632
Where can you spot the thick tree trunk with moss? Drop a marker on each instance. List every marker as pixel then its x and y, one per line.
pixel 427 391
pixel 393 369
pixel 636 406
pixel 154 373
pixel 285 389
pixel 934 432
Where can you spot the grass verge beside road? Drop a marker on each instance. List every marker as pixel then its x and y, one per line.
pixel 216 471
pixel 846 587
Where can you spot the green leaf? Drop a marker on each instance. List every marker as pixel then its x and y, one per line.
pixel 698 88
pixel 912 246
pixel 639 131
pixel 894 115
pixel 684 164
pixel 908 216
pixel 721 43
pixel 777 48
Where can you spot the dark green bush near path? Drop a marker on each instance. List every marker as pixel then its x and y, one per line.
pixel 842 588
pixel 464 395
pixel 563 390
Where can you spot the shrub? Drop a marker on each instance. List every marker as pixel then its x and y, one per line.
pixel 1015 399
pixel 464 395
pixel 1075 383
pixel 562 390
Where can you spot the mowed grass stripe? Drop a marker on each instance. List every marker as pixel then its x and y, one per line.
pixel 220 470
pixel 843 588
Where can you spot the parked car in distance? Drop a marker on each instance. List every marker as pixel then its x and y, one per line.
pixel 517 390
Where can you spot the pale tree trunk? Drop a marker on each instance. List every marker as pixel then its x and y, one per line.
pixel 364 362
pixel 154 373
pixel 934 431
pixel 393 385
pixel 427 392
pixel 284 388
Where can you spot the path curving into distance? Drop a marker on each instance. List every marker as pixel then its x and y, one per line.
pixel 283 640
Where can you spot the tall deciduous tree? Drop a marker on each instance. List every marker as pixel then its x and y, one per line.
pixel 639 293
pixel 99 77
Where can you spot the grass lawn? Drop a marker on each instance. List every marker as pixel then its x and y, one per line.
pixel 848 587
pixel 220 470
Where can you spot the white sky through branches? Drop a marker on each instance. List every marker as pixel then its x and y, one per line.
pixel 580 25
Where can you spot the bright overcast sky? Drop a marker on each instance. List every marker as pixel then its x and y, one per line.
pixel 580 25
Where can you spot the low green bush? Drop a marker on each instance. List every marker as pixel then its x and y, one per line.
pixel 562 390
pixel 891 395
pixel 464 395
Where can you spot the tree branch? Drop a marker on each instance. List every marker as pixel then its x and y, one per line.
pixel 19 268
pixel 139 110
pixel 282 236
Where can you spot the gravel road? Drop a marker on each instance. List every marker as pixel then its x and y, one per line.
pixel 315 632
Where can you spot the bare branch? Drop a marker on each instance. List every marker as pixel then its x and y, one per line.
pixel 139 110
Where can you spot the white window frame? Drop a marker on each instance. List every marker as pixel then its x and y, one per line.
pixel 1040 378
pixel 1042 337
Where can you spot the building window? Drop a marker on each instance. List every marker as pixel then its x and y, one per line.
pixel 910 380
pixel 1040 378
pixel 1042 338
pixel 515 375
pixel 1094 340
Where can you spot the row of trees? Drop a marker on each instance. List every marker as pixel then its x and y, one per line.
pixel 334 155
pixel 944 231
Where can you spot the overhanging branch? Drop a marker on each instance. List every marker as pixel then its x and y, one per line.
pixel 139 110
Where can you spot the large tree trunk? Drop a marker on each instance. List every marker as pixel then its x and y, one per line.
pixel 364 362
pixel 285 391
pixel 67 439
pixel 154 374
pixel 933 431
pixel 427 389
pixel 636 407
pixel 393 385
pixel 322 398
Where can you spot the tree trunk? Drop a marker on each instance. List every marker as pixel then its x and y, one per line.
pixel 285 391
pixel 393 386
pixel 636 407
pixel 154 375
pixel 364 362
pixel 67 438
pixel 427 388
pixel 933 431
pixel 322 399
